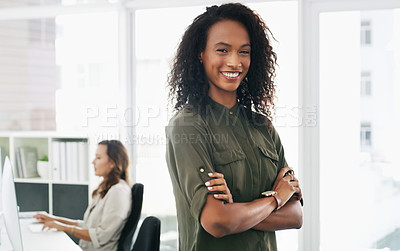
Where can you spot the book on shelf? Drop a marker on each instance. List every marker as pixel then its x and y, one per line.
pixel 18 168
pixel 2 154
pixel 27 158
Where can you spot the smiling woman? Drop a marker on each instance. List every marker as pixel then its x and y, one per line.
pixel 153 63
pixel 222 81
pixel 226 60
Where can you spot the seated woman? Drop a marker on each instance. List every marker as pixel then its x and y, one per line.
pixel 106 215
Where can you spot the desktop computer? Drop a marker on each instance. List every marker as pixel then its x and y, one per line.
pixel 10 209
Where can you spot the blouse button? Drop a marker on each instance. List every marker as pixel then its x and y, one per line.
pixel 202 170
pixel 230 113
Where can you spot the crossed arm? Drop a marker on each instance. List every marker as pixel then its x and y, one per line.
pixel 220 219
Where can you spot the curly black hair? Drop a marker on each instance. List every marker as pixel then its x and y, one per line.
pixel 187 79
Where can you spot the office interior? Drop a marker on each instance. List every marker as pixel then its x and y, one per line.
pixel 82 71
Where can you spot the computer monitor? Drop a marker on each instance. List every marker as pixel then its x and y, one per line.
pixel 10 209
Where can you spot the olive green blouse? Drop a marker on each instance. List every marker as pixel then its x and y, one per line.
pixel 250 158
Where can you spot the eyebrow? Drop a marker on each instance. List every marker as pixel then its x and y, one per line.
pixel 228 45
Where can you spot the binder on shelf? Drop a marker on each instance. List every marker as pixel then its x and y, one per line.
pixel 82 161
pixel 72 161
pixel 63 161
pixel 55 160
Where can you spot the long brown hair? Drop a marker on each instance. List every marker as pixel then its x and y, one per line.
pixel 118 154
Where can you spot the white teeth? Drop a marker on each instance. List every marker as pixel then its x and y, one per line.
pixel 231 74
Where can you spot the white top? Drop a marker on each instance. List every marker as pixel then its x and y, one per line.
pixel 106 217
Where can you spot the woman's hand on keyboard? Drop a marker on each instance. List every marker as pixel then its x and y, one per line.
pixel 44 217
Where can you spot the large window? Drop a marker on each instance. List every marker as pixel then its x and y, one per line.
pixel 359 166
pixel 28 74
pixel 55 71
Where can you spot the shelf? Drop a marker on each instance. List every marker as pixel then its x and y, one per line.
pixel 39 180
pixel 66 178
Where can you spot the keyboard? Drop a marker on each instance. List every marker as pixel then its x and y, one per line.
pixel 29 215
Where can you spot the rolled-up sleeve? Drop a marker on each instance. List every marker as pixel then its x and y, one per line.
pixel 81 224
pixel 189 162
pixel 116 209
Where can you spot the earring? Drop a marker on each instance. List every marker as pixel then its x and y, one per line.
pixel 201 61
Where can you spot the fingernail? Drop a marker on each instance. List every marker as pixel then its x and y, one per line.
pixel 207 183
pixel 209 188
pixel 215 195
pixel 210 174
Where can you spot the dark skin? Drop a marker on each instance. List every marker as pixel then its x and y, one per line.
pixel 220 219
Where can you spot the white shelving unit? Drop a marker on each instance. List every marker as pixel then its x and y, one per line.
pixel 59 189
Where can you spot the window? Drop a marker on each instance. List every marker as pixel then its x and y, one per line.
pixel 357 155
pixel 365 83
pixel 54 69
pixel 28 74
pixel 365 134
pixel 366 32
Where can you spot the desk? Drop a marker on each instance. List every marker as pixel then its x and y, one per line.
pixel 41 241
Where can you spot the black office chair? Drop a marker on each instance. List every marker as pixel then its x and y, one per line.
pixel 148 238
pixel 125 241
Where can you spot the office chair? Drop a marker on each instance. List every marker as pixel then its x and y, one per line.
pixel 148 238
pixel 125 240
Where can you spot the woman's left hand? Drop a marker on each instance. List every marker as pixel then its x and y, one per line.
pixel 293 179
pixel 218 184
pixel 53 224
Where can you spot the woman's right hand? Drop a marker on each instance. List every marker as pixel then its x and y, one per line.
pixel 218 184
pixel 287 186
pixel 44 217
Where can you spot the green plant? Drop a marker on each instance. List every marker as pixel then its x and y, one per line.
pixel 44 158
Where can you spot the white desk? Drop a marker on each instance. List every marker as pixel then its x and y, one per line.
pixel 40 241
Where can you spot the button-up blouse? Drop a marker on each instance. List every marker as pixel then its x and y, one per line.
pixel 224 141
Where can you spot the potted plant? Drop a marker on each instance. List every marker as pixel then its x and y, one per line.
pixel 43 167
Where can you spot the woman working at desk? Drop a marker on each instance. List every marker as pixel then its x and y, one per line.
pixel 105 217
